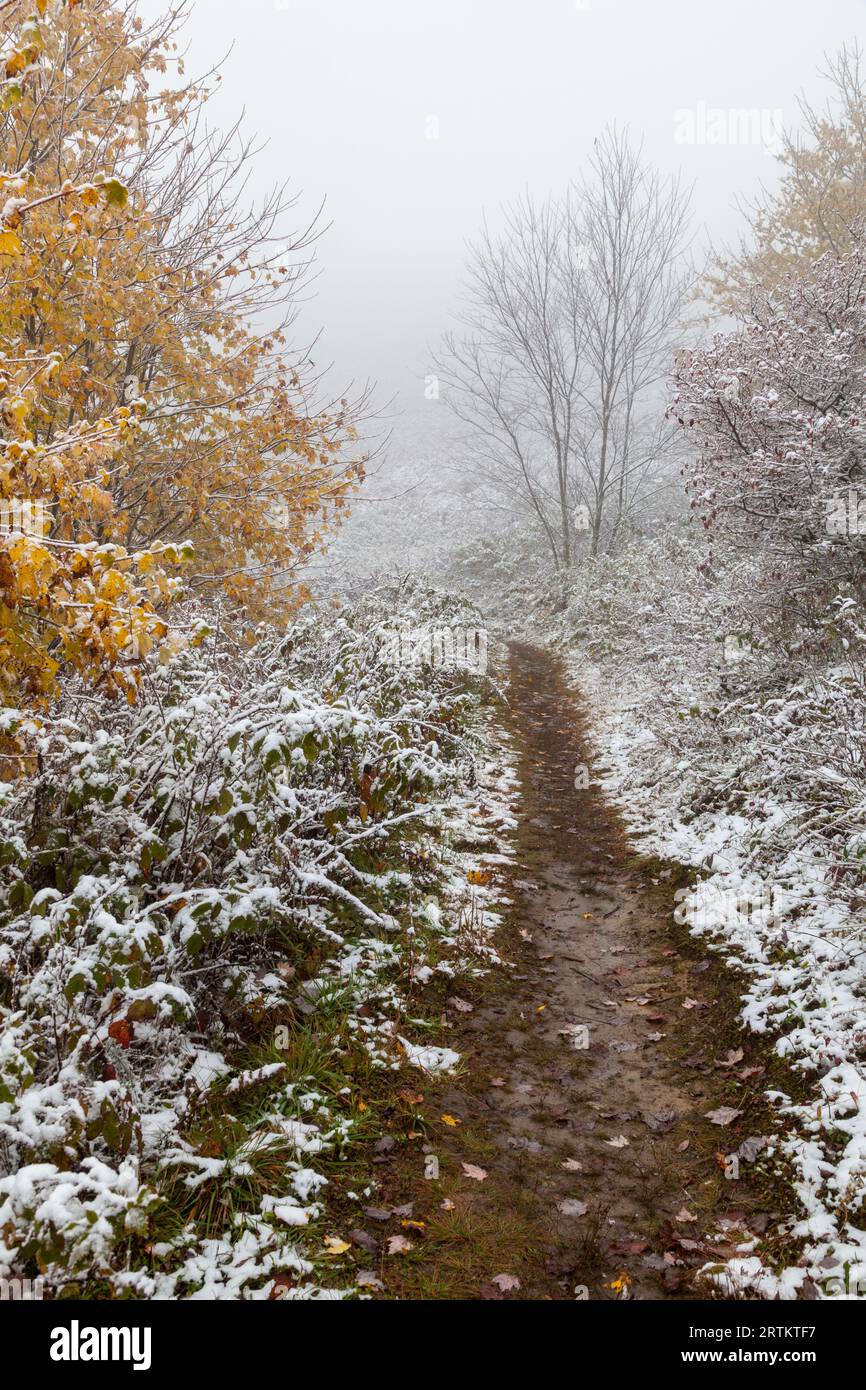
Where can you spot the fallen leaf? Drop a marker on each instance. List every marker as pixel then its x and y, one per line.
pixel 572 1166
pixel 378 1213
pixel 364 1241
pixel 620 1142
pixel 398 1245
pixel 334 1246
pixel 661 1121
pixel 505 1282
pixel 451 1120
pixel 497 1080
pixel 480 877
pixel 685 1216
pixel 572 1207
pixel 620 1284
pixel 753 1146
pixel 446 1204
pixel 681 1148
pixel 725 1115
pixel 731 1060
pixel 691 1003
pixel 366 1279
pixel 461 1005
pixel 471 1170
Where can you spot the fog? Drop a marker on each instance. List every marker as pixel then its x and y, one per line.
pixel 410 120
pixel 410 123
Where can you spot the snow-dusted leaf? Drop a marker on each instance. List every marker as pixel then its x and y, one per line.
pixel 724 1115
pixel 461 1006
pixel 471 1170
pixel 571 1206
pixel 398 1245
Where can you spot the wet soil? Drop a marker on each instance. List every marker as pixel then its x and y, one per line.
pixel 590 1066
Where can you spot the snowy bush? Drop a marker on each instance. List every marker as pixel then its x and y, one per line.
pixel 184 881
pixel 775 414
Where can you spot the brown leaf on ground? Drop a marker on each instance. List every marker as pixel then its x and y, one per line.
pixel 733 1057
pixel 364 1241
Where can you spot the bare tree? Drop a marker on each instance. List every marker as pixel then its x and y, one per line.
pixel 633 226
pixel 570 318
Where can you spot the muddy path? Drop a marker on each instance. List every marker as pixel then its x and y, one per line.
pixel 590 1065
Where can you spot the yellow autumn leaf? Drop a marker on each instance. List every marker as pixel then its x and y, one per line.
pixel 620 1284
pixel 480 877
pixel 9 244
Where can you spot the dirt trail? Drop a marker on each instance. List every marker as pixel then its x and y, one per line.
pixel 595 949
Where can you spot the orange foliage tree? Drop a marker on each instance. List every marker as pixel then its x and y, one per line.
pixel 130 271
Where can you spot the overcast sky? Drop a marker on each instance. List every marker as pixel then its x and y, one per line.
pixel 410 117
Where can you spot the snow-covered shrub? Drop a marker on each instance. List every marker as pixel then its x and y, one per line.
pixel 775 414
pixel 188 877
